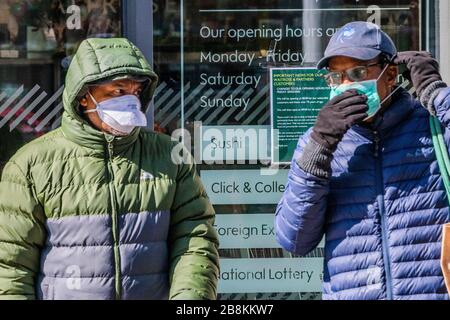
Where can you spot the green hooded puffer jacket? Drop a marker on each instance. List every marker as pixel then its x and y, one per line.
pixel 86 215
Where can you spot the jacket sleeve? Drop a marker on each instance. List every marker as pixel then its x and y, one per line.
pixel 442 107
pixel 22 235
pixel 193 240
pixel 300 214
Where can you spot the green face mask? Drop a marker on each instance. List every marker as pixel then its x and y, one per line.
pixel 368 88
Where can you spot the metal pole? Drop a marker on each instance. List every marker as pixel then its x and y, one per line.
pixel 312 48
pixel 138 28
pixel 444 38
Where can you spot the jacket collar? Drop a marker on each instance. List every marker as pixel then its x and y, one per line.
pixel 402 106
pixel 85 135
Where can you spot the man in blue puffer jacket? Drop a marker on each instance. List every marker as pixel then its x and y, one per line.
pixel 366 176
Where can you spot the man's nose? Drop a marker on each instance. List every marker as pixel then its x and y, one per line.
pixel 346 80
pixel 133 91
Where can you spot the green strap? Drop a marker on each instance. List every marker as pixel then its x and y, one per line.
pixel 441 152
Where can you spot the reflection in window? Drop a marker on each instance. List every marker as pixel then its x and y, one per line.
pixel 37 41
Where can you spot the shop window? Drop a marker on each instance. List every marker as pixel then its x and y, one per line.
pixel 214 60
pixel 37 41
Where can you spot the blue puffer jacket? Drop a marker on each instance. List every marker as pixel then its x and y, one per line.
pixel 381 212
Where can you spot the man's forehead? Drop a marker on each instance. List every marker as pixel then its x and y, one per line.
pixel 121 83
pixel 127 82
pixel 345 62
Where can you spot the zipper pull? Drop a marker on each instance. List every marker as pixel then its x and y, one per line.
pixel 109 144
pixel 376 141
pixel 110 150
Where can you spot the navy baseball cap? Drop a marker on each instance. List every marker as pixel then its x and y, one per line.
pixel 359 40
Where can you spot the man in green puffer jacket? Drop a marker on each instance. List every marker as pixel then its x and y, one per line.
pixel 101 208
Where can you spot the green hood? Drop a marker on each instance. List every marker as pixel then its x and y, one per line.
pixel 96 60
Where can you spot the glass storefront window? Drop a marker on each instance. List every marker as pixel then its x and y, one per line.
pixel 214 59
pixel 37 40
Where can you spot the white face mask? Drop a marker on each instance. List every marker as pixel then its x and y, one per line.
pixel 122 114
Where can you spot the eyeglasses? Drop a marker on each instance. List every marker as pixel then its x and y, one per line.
pixel 356 74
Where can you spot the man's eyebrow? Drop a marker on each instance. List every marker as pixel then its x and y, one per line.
pixel 118 84
pixel 123 84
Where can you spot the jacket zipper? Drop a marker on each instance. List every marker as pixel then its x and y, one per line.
pixel 384 233
pixel 118 286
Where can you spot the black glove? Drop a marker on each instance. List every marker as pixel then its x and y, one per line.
pixel 424 74
pixel 334 120
pixel 337 116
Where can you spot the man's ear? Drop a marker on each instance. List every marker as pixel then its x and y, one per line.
pixel 392 74
pixel 84 102
pixel 83 96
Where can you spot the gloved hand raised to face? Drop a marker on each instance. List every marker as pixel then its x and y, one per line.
pixel 337 116
pixel 424 74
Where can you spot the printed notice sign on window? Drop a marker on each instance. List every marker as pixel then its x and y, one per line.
pixel 296 97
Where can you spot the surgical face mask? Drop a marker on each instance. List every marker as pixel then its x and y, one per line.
pixel 122 114
pixel 368 88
